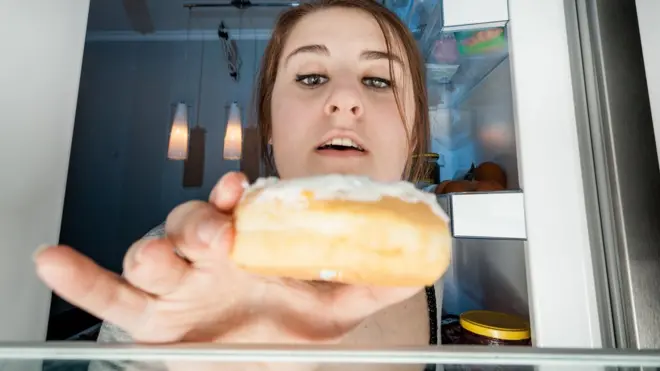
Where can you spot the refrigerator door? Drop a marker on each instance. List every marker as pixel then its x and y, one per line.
pixel 625 161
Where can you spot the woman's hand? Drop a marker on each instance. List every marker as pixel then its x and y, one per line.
pixel 163 297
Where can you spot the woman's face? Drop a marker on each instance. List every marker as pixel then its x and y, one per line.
pixel 333 106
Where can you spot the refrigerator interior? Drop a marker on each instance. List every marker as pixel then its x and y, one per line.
pixel 472 118
pixel 486 273
pixel 465 45
pixel 472 122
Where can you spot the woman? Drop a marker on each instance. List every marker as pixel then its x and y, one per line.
pixel 333 69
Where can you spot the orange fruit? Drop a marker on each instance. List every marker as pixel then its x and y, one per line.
pixel 439 189
pixel 488 186
pixel 490 171
pixel 459 186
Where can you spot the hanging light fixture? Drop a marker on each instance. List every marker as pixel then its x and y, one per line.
pixel 233 134
pixel 178 146
pixel 179 133
pixel 233 145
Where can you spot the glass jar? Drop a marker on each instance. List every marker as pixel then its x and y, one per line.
pixel 450 329
pixel 432 175
pixel 481 327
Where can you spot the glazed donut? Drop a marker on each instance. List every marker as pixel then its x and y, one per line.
pixel 341 228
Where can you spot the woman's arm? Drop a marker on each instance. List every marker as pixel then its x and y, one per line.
pixel 184 287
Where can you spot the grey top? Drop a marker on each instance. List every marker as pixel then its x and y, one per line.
pixel 112 334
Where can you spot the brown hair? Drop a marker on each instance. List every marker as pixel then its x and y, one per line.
pixel 391 26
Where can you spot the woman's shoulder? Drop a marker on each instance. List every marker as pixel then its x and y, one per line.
pixel 110 333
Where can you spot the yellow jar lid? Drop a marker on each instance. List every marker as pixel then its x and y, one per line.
pixel 495 325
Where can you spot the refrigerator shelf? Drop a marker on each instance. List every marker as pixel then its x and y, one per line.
pixel 71 355
pixel 448 43
pixel 487 215
pixel 457 59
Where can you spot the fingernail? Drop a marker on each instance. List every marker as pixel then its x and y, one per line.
pixel 39 250
pixel 220 196
pixel 245 184
pixel 217 190
pixel 208 231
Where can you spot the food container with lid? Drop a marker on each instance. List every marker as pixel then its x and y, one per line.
pixel 481 327
pixel 432 175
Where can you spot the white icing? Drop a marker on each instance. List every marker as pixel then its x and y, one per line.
pixel 342 187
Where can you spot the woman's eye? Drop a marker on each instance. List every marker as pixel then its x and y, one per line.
pixel 376 82
pixel 311 80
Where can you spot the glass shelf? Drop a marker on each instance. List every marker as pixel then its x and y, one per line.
pixel 454 67
pixel 416 14
pixel 455 61
pixel 74 356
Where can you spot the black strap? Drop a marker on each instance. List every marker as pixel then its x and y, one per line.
pixel 433 315
pixel 433 321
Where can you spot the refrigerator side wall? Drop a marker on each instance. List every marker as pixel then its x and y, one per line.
pixel 42 46
pixel 648 13
pixel 629 174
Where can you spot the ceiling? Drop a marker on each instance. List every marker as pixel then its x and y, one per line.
pixel 170 15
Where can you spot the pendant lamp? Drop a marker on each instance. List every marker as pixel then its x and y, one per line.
pixel 233 134
pixel 179 132
pixel 178 147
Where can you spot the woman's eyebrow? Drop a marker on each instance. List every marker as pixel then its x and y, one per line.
pixel 323 50
pixel 375 54
pixel 315 48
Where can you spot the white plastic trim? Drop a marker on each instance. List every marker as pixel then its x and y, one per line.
pixel 461 15
pixel 562 291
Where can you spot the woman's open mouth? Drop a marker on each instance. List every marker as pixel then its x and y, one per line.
pixel 340 147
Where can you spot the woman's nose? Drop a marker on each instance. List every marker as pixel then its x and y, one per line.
pixel 344 101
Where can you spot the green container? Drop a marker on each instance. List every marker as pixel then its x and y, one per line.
pixel 481 42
